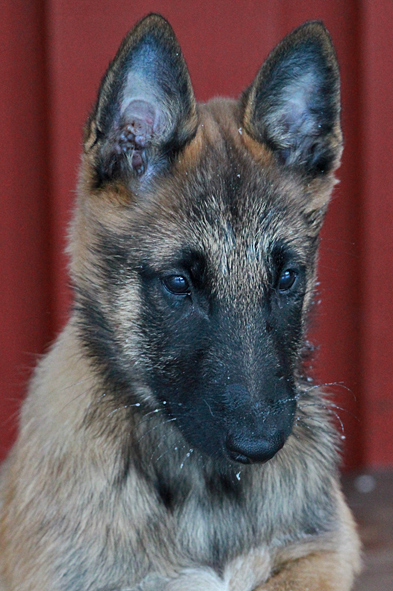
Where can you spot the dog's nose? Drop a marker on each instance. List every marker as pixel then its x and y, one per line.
pixel 248 449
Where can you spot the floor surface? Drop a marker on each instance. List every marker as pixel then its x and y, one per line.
pixel 370 495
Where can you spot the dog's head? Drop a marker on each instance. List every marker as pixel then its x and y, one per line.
pixel 195 240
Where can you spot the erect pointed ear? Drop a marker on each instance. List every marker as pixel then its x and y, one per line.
pixel 293 105
pixel 146 109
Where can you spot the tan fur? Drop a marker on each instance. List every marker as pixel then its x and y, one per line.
pixel 334 569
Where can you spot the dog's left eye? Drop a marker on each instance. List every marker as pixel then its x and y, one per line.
pixel 287 279
pixel 177 285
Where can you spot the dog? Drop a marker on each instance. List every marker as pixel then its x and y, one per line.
pixel 170 440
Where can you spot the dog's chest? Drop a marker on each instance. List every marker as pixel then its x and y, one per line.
pixel 214 526
pixel 213 534
pixel 215 522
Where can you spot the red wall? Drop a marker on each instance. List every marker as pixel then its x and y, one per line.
pixel 55 54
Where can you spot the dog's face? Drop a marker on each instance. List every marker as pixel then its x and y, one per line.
pixel 196 236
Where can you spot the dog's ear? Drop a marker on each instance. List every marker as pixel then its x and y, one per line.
pixel 293 105
pixel 146 109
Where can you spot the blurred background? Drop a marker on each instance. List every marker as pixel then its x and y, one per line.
pixel 53 55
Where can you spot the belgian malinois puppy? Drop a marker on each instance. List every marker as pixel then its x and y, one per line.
pixel 170 441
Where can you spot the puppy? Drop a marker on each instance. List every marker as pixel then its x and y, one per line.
pixel 170 440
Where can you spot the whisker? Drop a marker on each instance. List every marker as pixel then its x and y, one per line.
pixel 327 405
pixel 152 412
pixel 338 418
pixel 79 395
pixel 338 384
pixel 303 420
pixel 161 456
pixel 188 454
pixel 155 427
pixel 208 406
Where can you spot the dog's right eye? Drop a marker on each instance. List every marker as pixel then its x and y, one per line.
pixel 177 285
pixel 287 280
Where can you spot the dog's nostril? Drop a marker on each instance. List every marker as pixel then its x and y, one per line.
pixel 248 449
pixel 238 457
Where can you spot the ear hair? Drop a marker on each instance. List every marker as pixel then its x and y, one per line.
pixel 293 105
pixel 146 109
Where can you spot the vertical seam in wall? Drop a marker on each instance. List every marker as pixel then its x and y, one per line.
pixel 358 13
pixel 48 157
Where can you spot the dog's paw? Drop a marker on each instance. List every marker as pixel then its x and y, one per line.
pixel 197 580
pixel 246 573
pixel 152 582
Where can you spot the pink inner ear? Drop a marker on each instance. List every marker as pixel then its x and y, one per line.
pixel 141 119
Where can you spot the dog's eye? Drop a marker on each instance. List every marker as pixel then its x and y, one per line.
pixel 287 280
pixel 177 284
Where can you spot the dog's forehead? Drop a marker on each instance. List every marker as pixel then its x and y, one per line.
pixel 226 198
pixel 227 212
